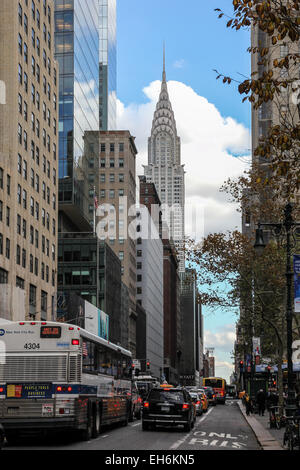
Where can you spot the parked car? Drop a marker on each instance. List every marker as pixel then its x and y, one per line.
pixel 204 400
pixel 198 403
pixel 212 398
pixel 168 407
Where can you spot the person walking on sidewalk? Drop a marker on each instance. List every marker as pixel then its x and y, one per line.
pixel 261 402
pixel 248 403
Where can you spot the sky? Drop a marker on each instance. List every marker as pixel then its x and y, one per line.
pixel 212 121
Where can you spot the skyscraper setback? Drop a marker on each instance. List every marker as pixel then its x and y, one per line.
pixel 164 168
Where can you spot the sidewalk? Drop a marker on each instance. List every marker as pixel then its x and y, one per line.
pixel 269 439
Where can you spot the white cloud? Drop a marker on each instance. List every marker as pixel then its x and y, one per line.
pixel 208 145
pixel 221 340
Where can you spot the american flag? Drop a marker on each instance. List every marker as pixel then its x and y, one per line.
pixel 96 200
pixel 84 349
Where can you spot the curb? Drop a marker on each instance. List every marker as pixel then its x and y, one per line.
pixel 265 439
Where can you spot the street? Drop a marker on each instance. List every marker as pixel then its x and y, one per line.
pixel 221 428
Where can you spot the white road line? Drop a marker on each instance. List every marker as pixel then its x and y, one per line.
pixel 181 441
pixel 134 425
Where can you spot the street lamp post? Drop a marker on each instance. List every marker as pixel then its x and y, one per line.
pixel 287 224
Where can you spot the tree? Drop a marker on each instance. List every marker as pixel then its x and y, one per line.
pixel 273 83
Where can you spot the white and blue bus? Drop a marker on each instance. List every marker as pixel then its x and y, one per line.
pixel 58 376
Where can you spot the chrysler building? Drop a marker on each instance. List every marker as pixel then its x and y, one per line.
pixel 164 169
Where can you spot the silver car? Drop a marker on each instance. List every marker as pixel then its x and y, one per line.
pixel 198 402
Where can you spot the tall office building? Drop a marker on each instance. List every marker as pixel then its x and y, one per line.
pixel 112 173
pixel 28 160
pixel 108 65
pixel 77 51
pixel 150 280
pixel 164 169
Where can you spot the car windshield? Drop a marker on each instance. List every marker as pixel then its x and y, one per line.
pixel 171 396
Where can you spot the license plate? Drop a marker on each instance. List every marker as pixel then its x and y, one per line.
pixel 12 410
pixel 165 408
pixel 47 410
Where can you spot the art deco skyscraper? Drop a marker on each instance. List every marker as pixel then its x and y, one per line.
pixel 164 168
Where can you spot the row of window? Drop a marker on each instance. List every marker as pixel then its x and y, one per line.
pixel 35 209
pixel 21 260
pixel 35 123
pixel 35 95
pixel 112 163
pixel 112 147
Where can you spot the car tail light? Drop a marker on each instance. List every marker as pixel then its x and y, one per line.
pixel 185 406
pixel 69 389
pixel 1 389
pixel 75 342
pixel 146 404
pixel 198 402
pixel 21 323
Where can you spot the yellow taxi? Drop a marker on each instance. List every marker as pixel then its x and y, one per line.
pixel 204 400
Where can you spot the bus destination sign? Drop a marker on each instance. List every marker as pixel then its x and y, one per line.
pixel 50 331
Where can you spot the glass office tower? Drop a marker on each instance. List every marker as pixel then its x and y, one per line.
pixel 108 64
pixel 77 51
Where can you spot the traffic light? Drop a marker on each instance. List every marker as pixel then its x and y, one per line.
pixel 241 364
pixel 148 365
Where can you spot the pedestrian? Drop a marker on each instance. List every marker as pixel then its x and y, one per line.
pixel 261 402
pixel 248 403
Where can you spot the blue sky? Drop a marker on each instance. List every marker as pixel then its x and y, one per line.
pixel 193 33
pixel 196 42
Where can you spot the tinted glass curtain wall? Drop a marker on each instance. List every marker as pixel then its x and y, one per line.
pixel 77 51
pixel 108 64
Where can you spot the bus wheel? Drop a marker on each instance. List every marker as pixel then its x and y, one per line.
pixel 96 422
pixel 88 432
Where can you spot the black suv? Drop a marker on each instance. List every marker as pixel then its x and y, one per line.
pixel 168 407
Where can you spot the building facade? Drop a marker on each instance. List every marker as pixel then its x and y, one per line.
pixel 191 362
pixel 108 65
pixel 164 169
pixel 150 281
pixel 77 52
pixel 28 160
pixel 172 324
pixel 90 269
pixel 113 177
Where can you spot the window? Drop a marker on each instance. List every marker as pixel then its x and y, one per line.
pixel 112 162
pixel 1 211
pixel 7 249
pixel 18 255
pixel 32 300
pixel 3 276
pixel 7 216
pixel 121 255
pixel 20 282
pixel 121 162
pixel 121 147
pixel 18 224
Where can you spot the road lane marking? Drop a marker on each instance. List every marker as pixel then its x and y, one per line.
pixel 134 425
pixel 181 441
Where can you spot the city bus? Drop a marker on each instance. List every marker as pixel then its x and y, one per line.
pixel 57 376
pixel 219 386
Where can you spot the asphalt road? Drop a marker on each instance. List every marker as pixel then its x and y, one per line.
pixel 221 428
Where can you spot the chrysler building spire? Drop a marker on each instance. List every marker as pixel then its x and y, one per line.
pixel 164 167
pixel 164 65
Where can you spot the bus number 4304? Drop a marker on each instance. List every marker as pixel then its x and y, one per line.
pixel 32 346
